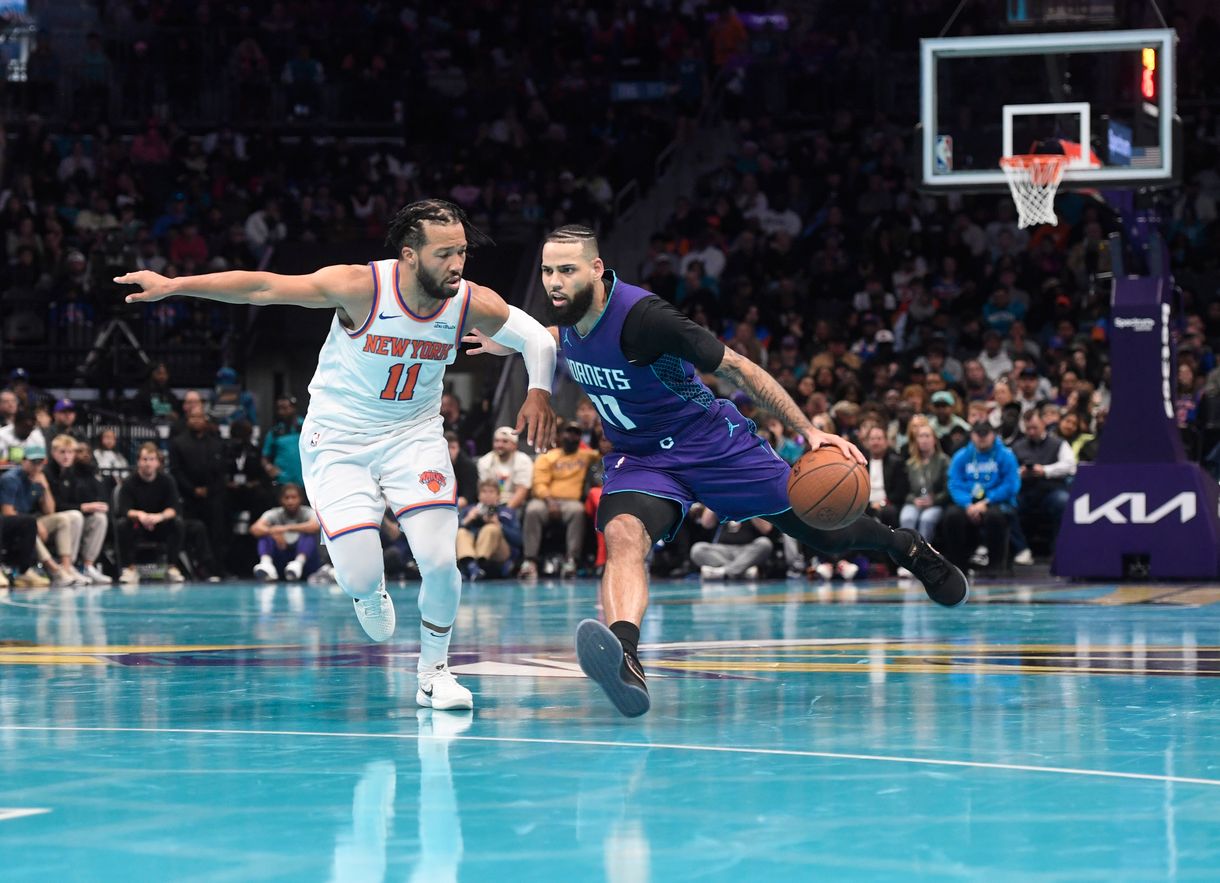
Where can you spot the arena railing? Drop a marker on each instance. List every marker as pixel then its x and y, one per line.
pixel 115 347
pixel 129 435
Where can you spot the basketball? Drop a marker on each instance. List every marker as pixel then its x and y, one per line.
pixel 827 490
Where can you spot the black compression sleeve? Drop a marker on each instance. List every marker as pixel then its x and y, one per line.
pixel 654 328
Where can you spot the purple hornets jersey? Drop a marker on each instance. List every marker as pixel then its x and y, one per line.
pixel 642 407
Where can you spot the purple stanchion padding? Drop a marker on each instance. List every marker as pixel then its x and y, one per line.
pixel 1166 511
pixel 1141 427
pixel 1142 497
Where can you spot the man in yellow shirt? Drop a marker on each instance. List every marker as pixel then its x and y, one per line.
pixel 560 476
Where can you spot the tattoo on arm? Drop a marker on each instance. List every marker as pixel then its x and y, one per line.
pixel 765 390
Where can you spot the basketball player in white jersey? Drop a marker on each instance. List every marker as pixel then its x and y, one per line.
pixel 373 434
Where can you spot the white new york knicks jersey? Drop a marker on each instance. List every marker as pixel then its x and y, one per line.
pixel 391 369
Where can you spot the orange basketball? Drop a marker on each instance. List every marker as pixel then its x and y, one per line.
pixel 827 490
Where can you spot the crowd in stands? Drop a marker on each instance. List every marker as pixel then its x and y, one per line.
pixel 967 357
pixel 120 163
pixel 96 493
pixel 500 120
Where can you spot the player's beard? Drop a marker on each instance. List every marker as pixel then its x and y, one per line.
pixel 432 285
pixel 572 312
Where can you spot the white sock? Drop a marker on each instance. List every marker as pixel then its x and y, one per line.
pixel 432 534
pixel 433 647
pixel 300 559
pixel 265 560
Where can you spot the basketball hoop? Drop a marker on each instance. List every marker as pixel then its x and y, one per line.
pixel 1033 179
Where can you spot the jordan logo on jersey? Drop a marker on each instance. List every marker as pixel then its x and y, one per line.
pixel 432 480
pixel 426 350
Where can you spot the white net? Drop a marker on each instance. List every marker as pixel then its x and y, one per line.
pixel 1033 180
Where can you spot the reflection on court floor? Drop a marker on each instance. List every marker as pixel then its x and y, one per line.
pixel 798 732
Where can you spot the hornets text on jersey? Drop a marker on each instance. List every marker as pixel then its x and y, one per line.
pixel 642 407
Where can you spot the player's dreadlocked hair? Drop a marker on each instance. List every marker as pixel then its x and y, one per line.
pixel 577 233
pixel 407 227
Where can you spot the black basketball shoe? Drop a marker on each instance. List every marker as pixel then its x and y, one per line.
pixel 619 674
pixel 944 582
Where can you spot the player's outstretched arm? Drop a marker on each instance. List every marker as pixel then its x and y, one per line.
pixel 345 286
pixel 513 330
pixel 771 397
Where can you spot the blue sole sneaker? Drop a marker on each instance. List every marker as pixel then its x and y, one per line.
pixel 601 657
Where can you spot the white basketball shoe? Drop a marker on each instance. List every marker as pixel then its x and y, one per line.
pixel 439 689
pixel 376 614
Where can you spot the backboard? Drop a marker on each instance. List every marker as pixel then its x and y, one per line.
pixel 982 98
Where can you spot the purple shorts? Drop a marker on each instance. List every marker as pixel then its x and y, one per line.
pixel 718 461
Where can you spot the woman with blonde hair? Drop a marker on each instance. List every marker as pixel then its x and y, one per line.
pixel 928 473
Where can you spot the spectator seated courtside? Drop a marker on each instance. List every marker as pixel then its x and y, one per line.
pixel 561 476
pixel 489 538
pixel 198 465
pixel 26 491
pixel 287 538
pixel 76 487
pixel 18 543
pixel 465 470
pixel 147 507
pixel 927 480
pixel 887 473
pixel 512 469
pixel 1047 465
pixel 737 550
pixel 984 481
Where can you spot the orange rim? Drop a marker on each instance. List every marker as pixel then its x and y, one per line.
pixel 1042 168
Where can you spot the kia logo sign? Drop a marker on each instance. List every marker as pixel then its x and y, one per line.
pixel 1132 508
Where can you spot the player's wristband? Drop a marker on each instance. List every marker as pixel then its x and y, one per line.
pixel 526 335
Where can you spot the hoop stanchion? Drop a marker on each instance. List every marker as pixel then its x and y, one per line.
pixel 1034 179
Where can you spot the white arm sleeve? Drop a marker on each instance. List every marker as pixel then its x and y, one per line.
pixel 526 335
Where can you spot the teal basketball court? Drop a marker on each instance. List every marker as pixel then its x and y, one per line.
pixel 251 732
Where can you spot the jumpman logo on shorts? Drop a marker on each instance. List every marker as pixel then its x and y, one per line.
pixel 732 426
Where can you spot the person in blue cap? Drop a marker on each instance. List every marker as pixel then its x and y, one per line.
pixel 230 402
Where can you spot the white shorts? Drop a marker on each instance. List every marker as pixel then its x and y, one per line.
pixel 351 478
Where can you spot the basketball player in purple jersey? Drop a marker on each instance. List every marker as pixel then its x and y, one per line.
pixel 637 358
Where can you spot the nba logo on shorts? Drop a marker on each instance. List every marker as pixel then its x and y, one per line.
pixel 943 157
pixel 432 480
pixel 313 439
